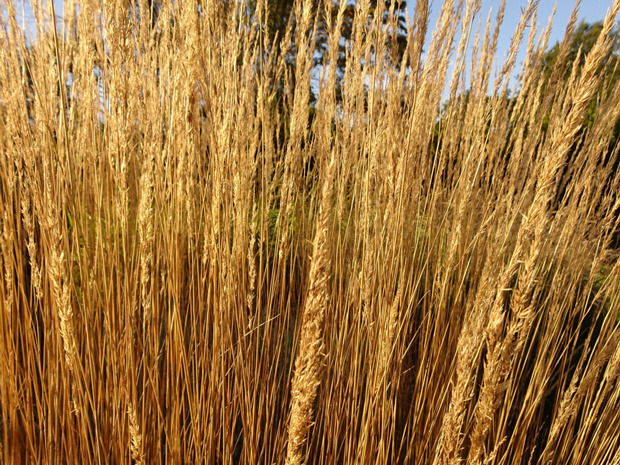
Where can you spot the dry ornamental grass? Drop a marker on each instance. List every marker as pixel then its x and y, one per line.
pixel 214 250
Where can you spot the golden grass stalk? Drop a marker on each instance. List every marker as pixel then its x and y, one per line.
pixel 306 379
pixel 398 262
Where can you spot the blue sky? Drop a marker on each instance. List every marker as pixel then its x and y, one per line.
pixel 590 11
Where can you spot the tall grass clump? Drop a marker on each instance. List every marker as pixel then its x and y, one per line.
pixel 215 251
